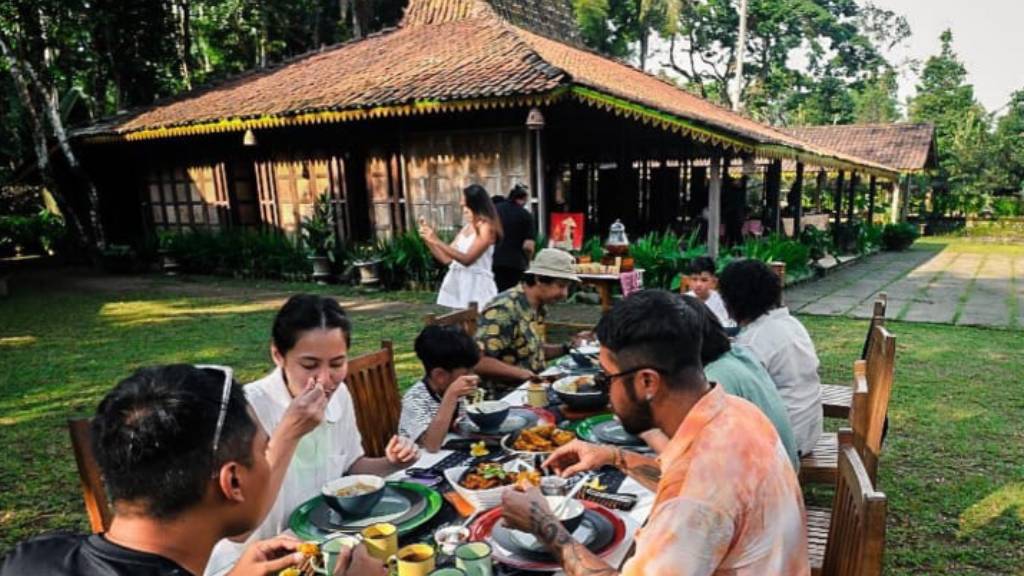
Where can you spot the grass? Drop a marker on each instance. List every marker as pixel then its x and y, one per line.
pixel 953 467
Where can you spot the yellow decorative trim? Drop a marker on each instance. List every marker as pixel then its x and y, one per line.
pixel 418 107
pixel 615 105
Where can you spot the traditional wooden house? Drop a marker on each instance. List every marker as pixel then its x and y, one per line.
pixel 907 148
pixel 394 125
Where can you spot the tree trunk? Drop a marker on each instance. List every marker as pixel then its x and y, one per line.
pixel 23 68
pixel 39 141
pixel 184 41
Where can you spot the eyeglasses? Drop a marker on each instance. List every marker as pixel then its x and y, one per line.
pixel 225 395
pixel 603 380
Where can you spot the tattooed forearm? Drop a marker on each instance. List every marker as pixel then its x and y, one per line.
pixel 575 558
pixel 640 468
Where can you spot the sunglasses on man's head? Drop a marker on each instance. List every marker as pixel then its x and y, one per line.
pixel 225 395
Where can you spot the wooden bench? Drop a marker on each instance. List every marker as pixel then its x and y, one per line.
pixel 873 380
pixel 373 385
pixel 835 399
pixel 849 539
pixel 466 319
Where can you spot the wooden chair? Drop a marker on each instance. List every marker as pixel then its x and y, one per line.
pixel 835 399
pixel 849 539
pixel 94 493
pixel 378 405
pixel 466 319
pixel 873 379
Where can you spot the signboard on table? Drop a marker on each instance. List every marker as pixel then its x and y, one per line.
pixel 566 230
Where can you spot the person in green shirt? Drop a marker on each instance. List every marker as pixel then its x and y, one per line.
pixel 740 374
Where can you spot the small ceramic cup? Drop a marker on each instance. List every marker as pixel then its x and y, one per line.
pixel 474 559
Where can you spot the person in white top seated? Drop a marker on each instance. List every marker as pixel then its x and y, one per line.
pixel 310 348
pixel 702 282
pixel 470 256
pixel 752 293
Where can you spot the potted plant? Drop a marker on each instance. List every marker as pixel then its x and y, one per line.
pixel 167 242
pixel 367 258
pixel 318 233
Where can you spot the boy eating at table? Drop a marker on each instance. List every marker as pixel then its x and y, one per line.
pixel 702 282
pixel 430 406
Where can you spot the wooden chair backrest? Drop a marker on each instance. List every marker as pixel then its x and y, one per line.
pixel 877 319
pixel 860 417
pixel 373 385
pixel 880 367
pixel 856 538
pixel 94 493
pixel 466 319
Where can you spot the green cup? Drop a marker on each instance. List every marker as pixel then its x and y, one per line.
pixel 447 572
pixel 332 548
pixel 474 558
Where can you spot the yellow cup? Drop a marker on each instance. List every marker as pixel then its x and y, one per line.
pixel 537 395
pixel 413 560
pixel 381 540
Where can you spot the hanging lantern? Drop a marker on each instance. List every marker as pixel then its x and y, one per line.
pixel 249 139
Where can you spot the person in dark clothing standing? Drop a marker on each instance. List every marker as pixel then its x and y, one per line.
pixel 514 251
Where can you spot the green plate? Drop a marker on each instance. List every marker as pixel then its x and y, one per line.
pixel 304 529
pixel 595 429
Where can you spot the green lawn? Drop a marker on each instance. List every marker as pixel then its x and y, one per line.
pixel 953 467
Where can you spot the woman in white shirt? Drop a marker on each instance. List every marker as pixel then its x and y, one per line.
pixel 469 257
pixel 310 344
pixel 752 293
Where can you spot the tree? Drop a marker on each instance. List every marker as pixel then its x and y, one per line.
pixel 1009 138
pixel 944 98
pixel 841 42
pixel 612 26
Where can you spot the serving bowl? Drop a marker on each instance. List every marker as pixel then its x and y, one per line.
pixel 579 393
pixel 370 489
pixel 489 414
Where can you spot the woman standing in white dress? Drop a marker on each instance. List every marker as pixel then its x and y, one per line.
pixel 469 256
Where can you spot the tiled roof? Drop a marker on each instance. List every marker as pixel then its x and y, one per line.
pixel 457 52
pixel 552 18
pixel 906 147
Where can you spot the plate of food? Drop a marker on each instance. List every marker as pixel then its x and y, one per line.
pixel 483 484
pixel 539 440
pixel 405 504
pixel 580 393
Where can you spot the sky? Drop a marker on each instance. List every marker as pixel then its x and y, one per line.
pixel 986 36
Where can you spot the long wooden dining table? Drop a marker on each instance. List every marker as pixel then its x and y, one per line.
pixel 632 519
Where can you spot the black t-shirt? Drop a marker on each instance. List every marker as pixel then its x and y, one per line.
pixel 517 225
pixel 81 555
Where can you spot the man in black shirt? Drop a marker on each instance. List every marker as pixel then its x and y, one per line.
pixel 186 464
pixel 514 251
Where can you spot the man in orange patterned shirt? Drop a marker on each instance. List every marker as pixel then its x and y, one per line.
pixel 728 501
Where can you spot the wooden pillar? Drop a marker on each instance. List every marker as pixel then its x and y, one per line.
pixel 837 198
pixel 715 205
pixel 773 193
pixel 872 187
pixel 851 200
pixel 894 209
pixel 819 188
pixel 796 199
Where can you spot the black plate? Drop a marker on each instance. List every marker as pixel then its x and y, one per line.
pixel 595 532
pixel 325 518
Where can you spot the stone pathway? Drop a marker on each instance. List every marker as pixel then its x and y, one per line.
pixel 930 283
